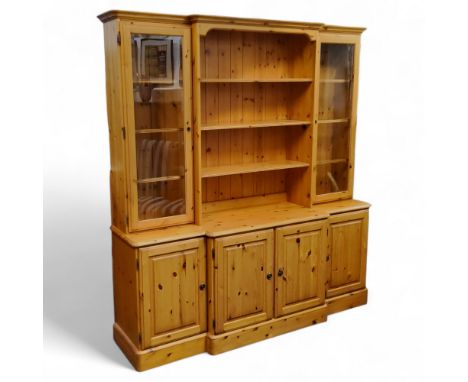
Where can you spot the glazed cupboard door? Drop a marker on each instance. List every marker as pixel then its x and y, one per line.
pixel 157 77
pixel 336 122
pixel 348 252
pixel 243 275
pixel 300 267
pixel 173 291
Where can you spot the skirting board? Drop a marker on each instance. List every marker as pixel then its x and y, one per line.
pixel 347 301
pixel 219 343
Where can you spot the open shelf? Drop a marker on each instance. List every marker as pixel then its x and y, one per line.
pixel 246 168
pixel 159 179
pixel 331 161
pixel 339 120
pixel 151 131
pixel 334 81
pixel 257 124
pixel 253 80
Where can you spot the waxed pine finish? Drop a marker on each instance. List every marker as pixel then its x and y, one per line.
pixel 232 146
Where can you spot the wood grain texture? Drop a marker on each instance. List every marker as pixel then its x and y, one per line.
pixel 348 252
pixel 173 302
pixel 126 292
pixel 300 267
pixel 243 267
pixel 217 344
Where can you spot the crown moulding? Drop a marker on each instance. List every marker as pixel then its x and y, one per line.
pixel 191 19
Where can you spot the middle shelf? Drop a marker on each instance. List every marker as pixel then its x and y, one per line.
pixel 246 168
pixel 256 124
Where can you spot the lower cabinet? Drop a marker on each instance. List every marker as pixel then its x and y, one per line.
pixel 243 280
pixel 173 291
pixel 300 267
pixel 347 252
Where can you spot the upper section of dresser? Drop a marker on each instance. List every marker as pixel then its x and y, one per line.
pixel 212 116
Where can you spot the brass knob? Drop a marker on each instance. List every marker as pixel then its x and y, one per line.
pixel 280 272
pixel 202 286
pixel 269 276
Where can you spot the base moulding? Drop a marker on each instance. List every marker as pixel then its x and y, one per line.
pixel 219 343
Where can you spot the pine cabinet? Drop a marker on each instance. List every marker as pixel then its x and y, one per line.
pixel 232 145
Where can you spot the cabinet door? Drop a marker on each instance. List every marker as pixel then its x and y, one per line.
pixel 348 252
pixel 243 280
pixel 157 88
pixel 173 291
pixel 336 121
pixel 300 267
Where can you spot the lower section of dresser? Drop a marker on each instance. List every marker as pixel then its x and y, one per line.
pixel 219 343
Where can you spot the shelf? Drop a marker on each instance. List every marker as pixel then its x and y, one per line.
pixel 159 179
pixel 340 120
pixel 331 161
pixel 156 82
pixel 246 168
pixel 257 124
pixel 245 80
pixel 334 81
pixel 151 131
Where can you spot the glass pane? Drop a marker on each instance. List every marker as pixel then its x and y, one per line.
pixel 335 102
pixel 160 199
pixel 336 61
pixel 332 142
pixel 332 177
pixel 159 122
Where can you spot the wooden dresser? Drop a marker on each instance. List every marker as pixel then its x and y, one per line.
pixel 232 148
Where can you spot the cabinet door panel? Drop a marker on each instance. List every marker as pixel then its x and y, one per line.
pixel 300 267
pixel 243 280
pixel 348 252
pixel 335 127
pixel 157 79
pixel 173 302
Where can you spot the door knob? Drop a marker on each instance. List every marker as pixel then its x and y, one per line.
pixel 269 276
pixel 280 272
pixel 202 286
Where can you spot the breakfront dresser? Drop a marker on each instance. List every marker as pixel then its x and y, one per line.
pixel 232 145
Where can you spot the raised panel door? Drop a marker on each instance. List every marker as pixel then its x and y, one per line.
pixel 243 280
pixel 300 267
pixel 348 252
pixel 173 291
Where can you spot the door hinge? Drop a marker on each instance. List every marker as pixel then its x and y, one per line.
pixel 124 133
pixel 119 39
pixel 213 253
pixel 214 324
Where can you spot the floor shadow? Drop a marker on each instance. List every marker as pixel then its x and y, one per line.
pixel 78 274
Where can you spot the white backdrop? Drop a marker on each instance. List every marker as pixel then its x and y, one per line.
pixel 411 164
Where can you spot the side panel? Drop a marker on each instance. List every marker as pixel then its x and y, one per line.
pixel 125 280
pixel 348 252
pixel 116 122
pixel 173 291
